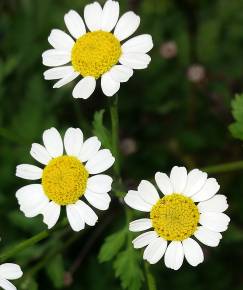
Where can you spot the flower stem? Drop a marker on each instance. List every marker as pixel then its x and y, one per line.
pixel 115 133
pixel 225 167
pixel 12 251
pixel 149 277
pixel 23 245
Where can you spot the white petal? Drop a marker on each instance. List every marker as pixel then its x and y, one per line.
pixel 193 252
pixel 10 271
pixel 163 182
pixel 208 237
pixel 217 203
pixel 141 43
pixel 110 15
pixel 134 200
pixel 140 225
pixel 127 25
pixel 210 188
pixel 28 171
pixel 74 24
pixel 99 183
pixel 121 73
pixel 40 153
pixel 100 162
pixel 90 147
pixel 99 201
pixel 84 88
pixel 6 285
pixel 178 177
pixel 32 199
pixel 75 219
pixel 155 250
pixel 51 214
pixel 89 216
pixel 61 40
pixel 217 222
pixel 148 192
pixel 53 57
pixel 58 72
pixel 144 239
pixel 195 181
pixel 174 255
pixel 93 16
pixel 135 60
pixel 67 79
pixel 53 142
pixel 73 141
pixel 109 85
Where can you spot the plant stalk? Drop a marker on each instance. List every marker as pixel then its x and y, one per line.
pixel 225 167
pixel 115 133
pixel 149 277
pixel 14 250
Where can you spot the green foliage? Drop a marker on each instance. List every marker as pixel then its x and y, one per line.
pixel 100 130
pixel 55 271
pixel 128 268
pixel 127 263
pixel 112 246
pixel 171 120
pixel 29 284
pixel 236 128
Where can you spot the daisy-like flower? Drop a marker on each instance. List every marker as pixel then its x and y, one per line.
pixel 9 271
pixel 66 178
pixel 96 50
pixel 190 207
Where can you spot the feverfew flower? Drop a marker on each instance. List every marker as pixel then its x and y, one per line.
pixel 190 207
pixel 97 50
pixel 66 178
pixel 9 271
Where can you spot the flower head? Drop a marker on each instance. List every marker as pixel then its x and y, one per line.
pixel 66 178
pixel 96 50
pixel 9 271
pixel 190 207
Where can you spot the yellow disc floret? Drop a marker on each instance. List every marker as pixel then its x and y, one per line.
pixel 95 53
pixel 175 217
pixel 64 180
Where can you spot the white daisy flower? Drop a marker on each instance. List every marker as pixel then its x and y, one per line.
pixel 9 271
pixel 189 207
pixel 66 178
pixel 96 50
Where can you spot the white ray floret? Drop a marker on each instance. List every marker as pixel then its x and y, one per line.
pixel 96 47
pixel 73 169
pixel 189 210
pixel 9 271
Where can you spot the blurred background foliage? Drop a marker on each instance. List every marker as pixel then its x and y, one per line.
pixel 175 112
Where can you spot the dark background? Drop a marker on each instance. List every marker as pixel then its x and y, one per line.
pixel 176 112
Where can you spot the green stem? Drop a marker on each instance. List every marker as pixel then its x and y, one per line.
pixel 128 214
pixel 23 245
pixel 225 167
pixel 149 277
pixel 115 133
pixel 52 254
pixel 14 250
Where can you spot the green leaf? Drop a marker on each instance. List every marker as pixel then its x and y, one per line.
pixel 111 246
pixel 29 283
pixel 55 271
pixel 236 128
pixel 100 130
pixel 128 268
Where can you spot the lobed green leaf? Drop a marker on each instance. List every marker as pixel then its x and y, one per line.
pixel 112 246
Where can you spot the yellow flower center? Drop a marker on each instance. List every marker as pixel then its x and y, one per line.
pixel 64 180
pixel 95 53
pixel 175 217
